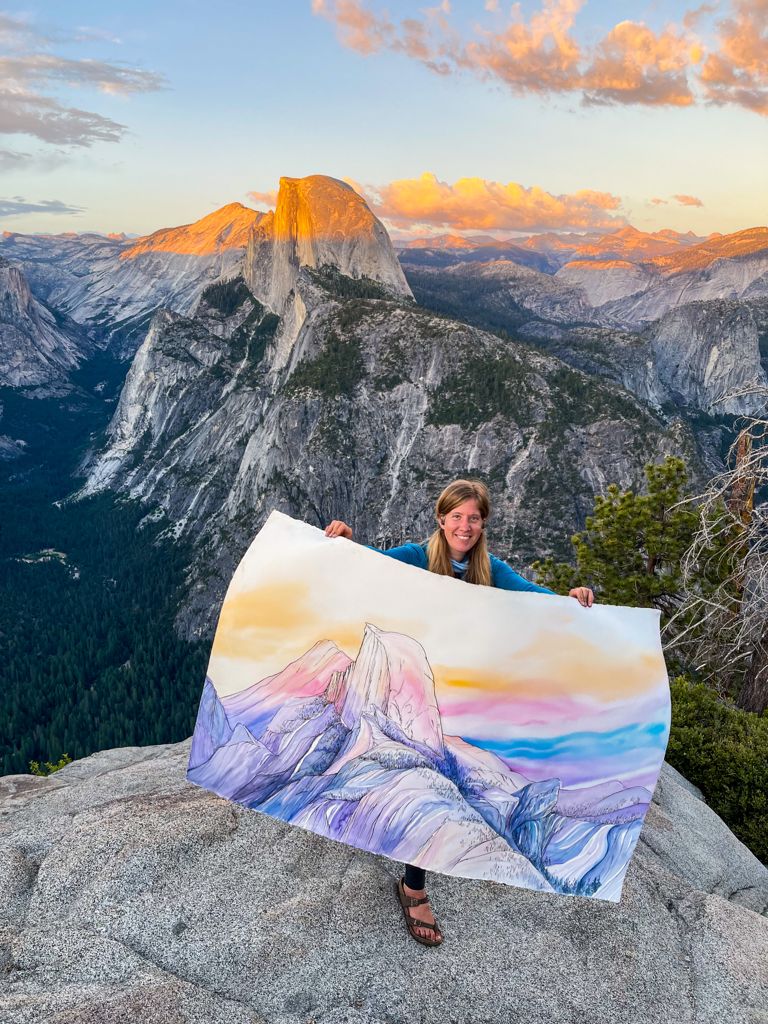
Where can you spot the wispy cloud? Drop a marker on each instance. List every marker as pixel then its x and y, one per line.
pixel 29 73
pixel 687 200
pixel 680 198
pixel 16 206
pixel 541 54
pixel 268 199
pixel 477 203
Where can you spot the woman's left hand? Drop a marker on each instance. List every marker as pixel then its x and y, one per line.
pixel 583 595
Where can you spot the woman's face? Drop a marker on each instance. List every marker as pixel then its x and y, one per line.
pixel 462 527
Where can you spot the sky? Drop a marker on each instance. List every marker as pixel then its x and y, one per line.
pixel 533 677
pixel 464 116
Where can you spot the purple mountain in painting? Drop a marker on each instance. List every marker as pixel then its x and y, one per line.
pixel 355 751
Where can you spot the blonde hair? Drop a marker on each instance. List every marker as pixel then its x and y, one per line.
pixel 438 551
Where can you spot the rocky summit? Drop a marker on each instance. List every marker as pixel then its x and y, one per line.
pixel 127 893
pixel 38 348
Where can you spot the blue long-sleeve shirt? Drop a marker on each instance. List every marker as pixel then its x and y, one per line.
pixel 502 575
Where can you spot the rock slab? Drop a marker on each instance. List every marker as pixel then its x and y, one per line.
pixel 127 893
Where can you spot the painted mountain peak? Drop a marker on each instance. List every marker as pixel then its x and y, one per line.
pixel 354 750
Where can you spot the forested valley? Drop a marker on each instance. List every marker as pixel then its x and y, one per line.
pixel 87 598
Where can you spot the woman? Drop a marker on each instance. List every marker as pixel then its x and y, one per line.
pixel 456 548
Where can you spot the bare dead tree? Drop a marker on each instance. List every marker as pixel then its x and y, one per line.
pixel 721 625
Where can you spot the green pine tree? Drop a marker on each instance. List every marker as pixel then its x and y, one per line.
pixel 630 550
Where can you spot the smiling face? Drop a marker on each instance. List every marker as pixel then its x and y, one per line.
pixel 462 527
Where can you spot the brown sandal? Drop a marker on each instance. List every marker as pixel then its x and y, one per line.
pixel 411 923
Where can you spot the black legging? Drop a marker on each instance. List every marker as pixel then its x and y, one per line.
pixel 415 878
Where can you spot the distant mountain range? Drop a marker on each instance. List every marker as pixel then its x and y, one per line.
pixel 355 750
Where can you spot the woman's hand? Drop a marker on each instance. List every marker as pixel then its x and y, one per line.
pixel 583 595
pixel 338 529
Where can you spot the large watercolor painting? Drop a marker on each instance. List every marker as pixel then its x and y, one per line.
pixel 482 733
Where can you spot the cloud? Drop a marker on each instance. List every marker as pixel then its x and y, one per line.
pixel 14 160
pixel 357 28
pixel 29 73
pixel 268 199
pixel 688 200
pixel 738 71
pixel 633 64
pixel 658 202
pixel 476 203
pixel 17 206
pixel 46 119
pixel 540 54
pixel 361 30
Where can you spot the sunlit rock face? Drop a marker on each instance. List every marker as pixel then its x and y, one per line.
pixel 227 228
pixel 319 222
pixel 36 350
pixel 605 280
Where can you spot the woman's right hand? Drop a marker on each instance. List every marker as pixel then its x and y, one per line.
pixel 338 529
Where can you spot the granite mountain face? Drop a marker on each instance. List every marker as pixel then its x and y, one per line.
pixel 324 390
pixel 38 348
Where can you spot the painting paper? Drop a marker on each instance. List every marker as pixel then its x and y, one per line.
pixel 483 733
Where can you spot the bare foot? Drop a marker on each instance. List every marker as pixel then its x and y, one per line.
pixel 422 913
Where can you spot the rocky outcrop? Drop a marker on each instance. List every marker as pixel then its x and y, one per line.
pixel 705 351
pixel 319 222
pixel 37 349
pixel 604 281
pixel 127 892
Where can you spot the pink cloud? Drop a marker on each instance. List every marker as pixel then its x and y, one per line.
pixel 688 200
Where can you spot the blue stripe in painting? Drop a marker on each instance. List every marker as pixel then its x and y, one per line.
pixel 581 744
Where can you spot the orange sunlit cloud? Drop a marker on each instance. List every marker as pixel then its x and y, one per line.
pixel 540 55
pixel 688 200
pixel 631 64
pixel 738 72
pixel 476 203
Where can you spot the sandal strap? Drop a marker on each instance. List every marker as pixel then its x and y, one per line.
pixel 411 901
pixel 423 924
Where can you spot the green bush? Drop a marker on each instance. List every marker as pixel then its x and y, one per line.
pixel 48 768
pixel 723 751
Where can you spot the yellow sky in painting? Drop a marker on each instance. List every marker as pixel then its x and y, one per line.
pixel 295 587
